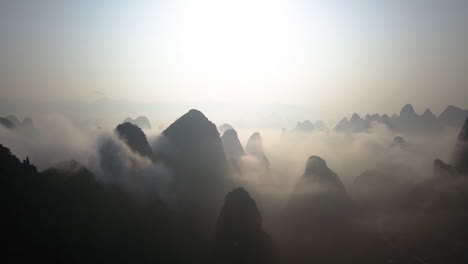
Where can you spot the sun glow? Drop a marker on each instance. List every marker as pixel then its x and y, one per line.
pixel 254 47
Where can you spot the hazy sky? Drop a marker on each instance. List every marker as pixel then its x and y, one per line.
pixel 342 56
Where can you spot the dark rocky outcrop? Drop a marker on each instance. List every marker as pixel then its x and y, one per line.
pixel 64 214
pixel 239 234
pixel 135 138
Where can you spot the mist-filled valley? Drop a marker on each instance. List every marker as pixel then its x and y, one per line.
pixel 376 189
pixel 234 132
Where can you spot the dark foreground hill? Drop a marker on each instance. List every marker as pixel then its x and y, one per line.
pixel 64 215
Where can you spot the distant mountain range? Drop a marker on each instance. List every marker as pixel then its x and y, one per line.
pixel 407 121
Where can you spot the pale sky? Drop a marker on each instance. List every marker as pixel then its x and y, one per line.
pixel 339 56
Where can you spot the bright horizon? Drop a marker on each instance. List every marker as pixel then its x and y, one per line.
pixel 369 57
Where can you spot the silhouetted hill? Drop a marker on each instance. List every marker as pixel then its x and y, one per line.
pixel 461 150
pixel 231 143
pixel 429 121
pixel 13 119
pixel 64 215
pixel 135 138
pixel 194 151
pixel 141 121
pixel 239 234
pixel 342 125
pixel 6 123
pixel 319 196
pixel 233 149
pixel 318 217
pixel 356 123
pixel 453 116
pixel 255 148
pixel 318 173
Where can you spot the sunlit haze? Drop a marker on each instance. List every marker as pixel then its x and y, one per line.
pixel 332 58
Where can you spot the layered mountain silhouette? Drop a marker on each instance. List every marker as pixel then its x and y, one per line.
pixel 135 138
pixel 408 121
pixel 254 147
pixel 141 121
pixel 65 215
pixel 239 234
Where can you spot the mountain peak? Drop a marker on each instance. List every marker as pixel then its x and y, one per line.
pixel 239 234
pixel 407 110
pixel 315 164
pixel 342 125
pixel 453 116
pixel 355 117
pixel 255 145
pixel 428 112
pixel 305 126
pixel 135 138
pixel 232 146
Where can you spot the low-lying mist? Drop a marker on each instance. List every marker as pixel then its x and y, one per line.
pixel 322 189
